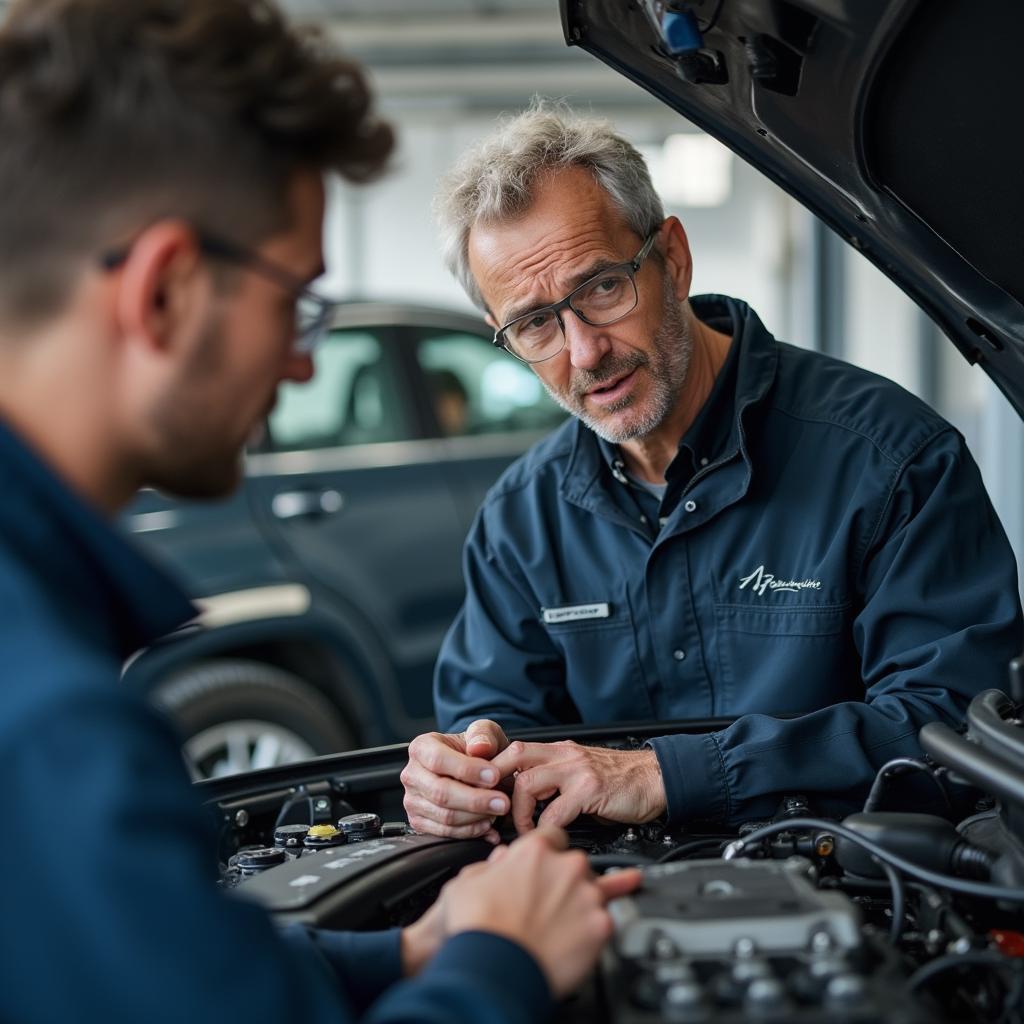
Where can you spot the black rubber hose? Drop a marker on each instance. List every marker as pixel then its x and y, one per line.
pixel 894 767
pixel 985 769
pixel 972 861
pixel 986 716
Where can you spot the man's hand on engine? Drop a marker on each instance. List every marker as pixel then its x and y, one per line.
pixel 619 785
pixel 449 782
pixel 535 894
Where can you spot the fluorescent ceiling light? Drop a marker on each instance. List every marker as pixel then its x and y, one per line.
pixel 691 170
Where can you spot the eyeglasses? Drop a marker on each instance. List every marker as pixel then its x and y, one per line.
pixel 600 300
pixel 313 312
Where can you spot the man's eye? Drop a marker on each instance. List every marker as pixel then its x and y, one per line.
pixel 536 323
pixel 606 286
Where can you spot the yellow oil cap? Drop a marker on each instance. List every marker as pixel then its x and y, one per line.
pixel 323 832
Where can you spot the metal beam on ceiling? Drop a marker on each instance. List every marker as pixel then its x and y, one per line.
pixel 481 60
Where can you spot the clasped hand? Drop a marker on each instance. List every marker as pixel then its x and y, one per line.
pixel 457 784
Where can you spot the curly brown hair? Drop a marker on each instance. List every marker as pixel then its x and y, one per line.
pixel 114 114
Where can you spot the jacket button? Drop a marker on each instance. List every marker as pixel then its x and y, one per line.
pixel 679 655
pixel 690 506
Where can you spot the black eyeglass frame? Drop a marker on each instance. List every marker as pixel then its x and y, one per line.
pixel 307 336
pixel 629 266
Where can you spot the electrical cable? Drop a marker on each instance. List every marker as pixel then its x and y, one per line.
pixel 893 883
pixel 685 849
pixel 714 18
pixel 898 901
pixel 951 920
pixel 300 796
pixel 962 885
pixel 889 769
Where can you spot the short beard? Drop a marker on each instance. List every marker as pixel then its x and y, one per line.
pixel 192 461
pixel 669 365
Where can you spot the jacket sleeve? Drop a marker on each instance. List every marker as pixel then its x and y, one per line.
pixel 473 975
pixel 497 661
pixel 365 963
pixel 111 887
pixel 939 619
pixel 477 976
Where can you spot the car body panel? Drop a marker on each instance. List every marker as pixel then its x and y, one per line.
pixel 339 558
pixel 391 548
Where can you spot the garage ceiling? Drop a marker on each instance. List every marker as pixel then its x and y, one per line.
pixel 466 55
pixel 469 54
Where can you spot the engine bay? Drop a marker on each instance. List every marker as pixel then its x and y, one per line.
pixel 908 910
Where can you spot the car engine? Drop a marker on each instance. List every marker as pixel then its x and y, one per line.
pixel 908 910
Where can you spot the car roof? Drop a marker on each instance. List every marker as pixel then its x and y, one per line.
pixel 897 122
pixel 382 312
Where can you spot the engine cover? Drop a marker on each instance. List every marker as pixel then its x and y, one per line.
pixel 743 940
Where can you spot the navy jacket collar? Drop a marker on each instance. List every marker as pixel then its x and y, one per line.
pixel 81 558
pixel 757 363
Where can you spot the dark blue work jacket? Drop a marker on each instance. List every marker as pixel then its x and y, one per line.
pixel 110 910
pixel 825 548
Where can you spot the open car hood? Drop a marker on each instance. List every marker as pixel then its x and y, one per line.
pixel 897 122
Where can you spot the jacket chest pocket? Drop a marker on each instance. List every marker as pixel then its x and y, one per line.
pixel 783 660
pixel 597 641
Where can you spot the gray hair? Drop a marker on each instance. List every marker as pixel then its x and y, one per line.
pixel 494 181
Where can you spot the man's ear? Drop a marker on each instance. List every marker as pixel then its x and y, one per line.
pixel 161 285
pixel 676 249
pixel 490 321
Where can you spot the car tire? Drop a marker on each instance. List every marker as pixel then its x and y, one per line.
pixel 225 707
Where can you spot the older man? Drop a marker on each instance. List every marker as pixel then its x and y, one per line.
pixel 730 526
pixel 161 211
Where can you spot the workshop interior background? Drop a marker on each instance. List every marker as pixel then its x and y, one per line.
pixel 445 69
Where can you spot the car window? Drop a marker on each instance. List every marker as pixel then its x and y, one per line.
pixel 476 388
pixel 352 399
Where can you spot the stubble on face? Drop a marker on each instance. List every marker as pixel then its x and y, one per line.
pixel 195 459
pixel 667 365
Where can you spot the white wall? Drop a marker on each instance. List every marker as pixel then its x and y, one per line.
pixel 881 325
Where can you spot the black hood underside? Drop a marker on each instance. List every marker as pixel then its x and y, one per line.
pixel 897 122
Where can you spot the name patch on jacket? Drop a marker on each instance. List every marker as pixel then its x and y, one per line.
pixel 576 612
pixel 760 581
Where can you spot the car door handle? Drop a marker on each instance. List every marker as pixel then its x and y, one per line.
pixel 306 504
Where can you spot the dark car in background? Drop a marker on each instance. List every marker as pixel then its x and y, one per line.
pixel 328 580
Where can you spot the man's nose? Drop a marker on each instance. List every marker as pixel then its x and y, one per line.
pixel 587 345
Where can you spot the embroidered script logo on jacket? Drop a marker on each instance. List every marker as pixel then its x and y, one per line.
pixel 760 581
